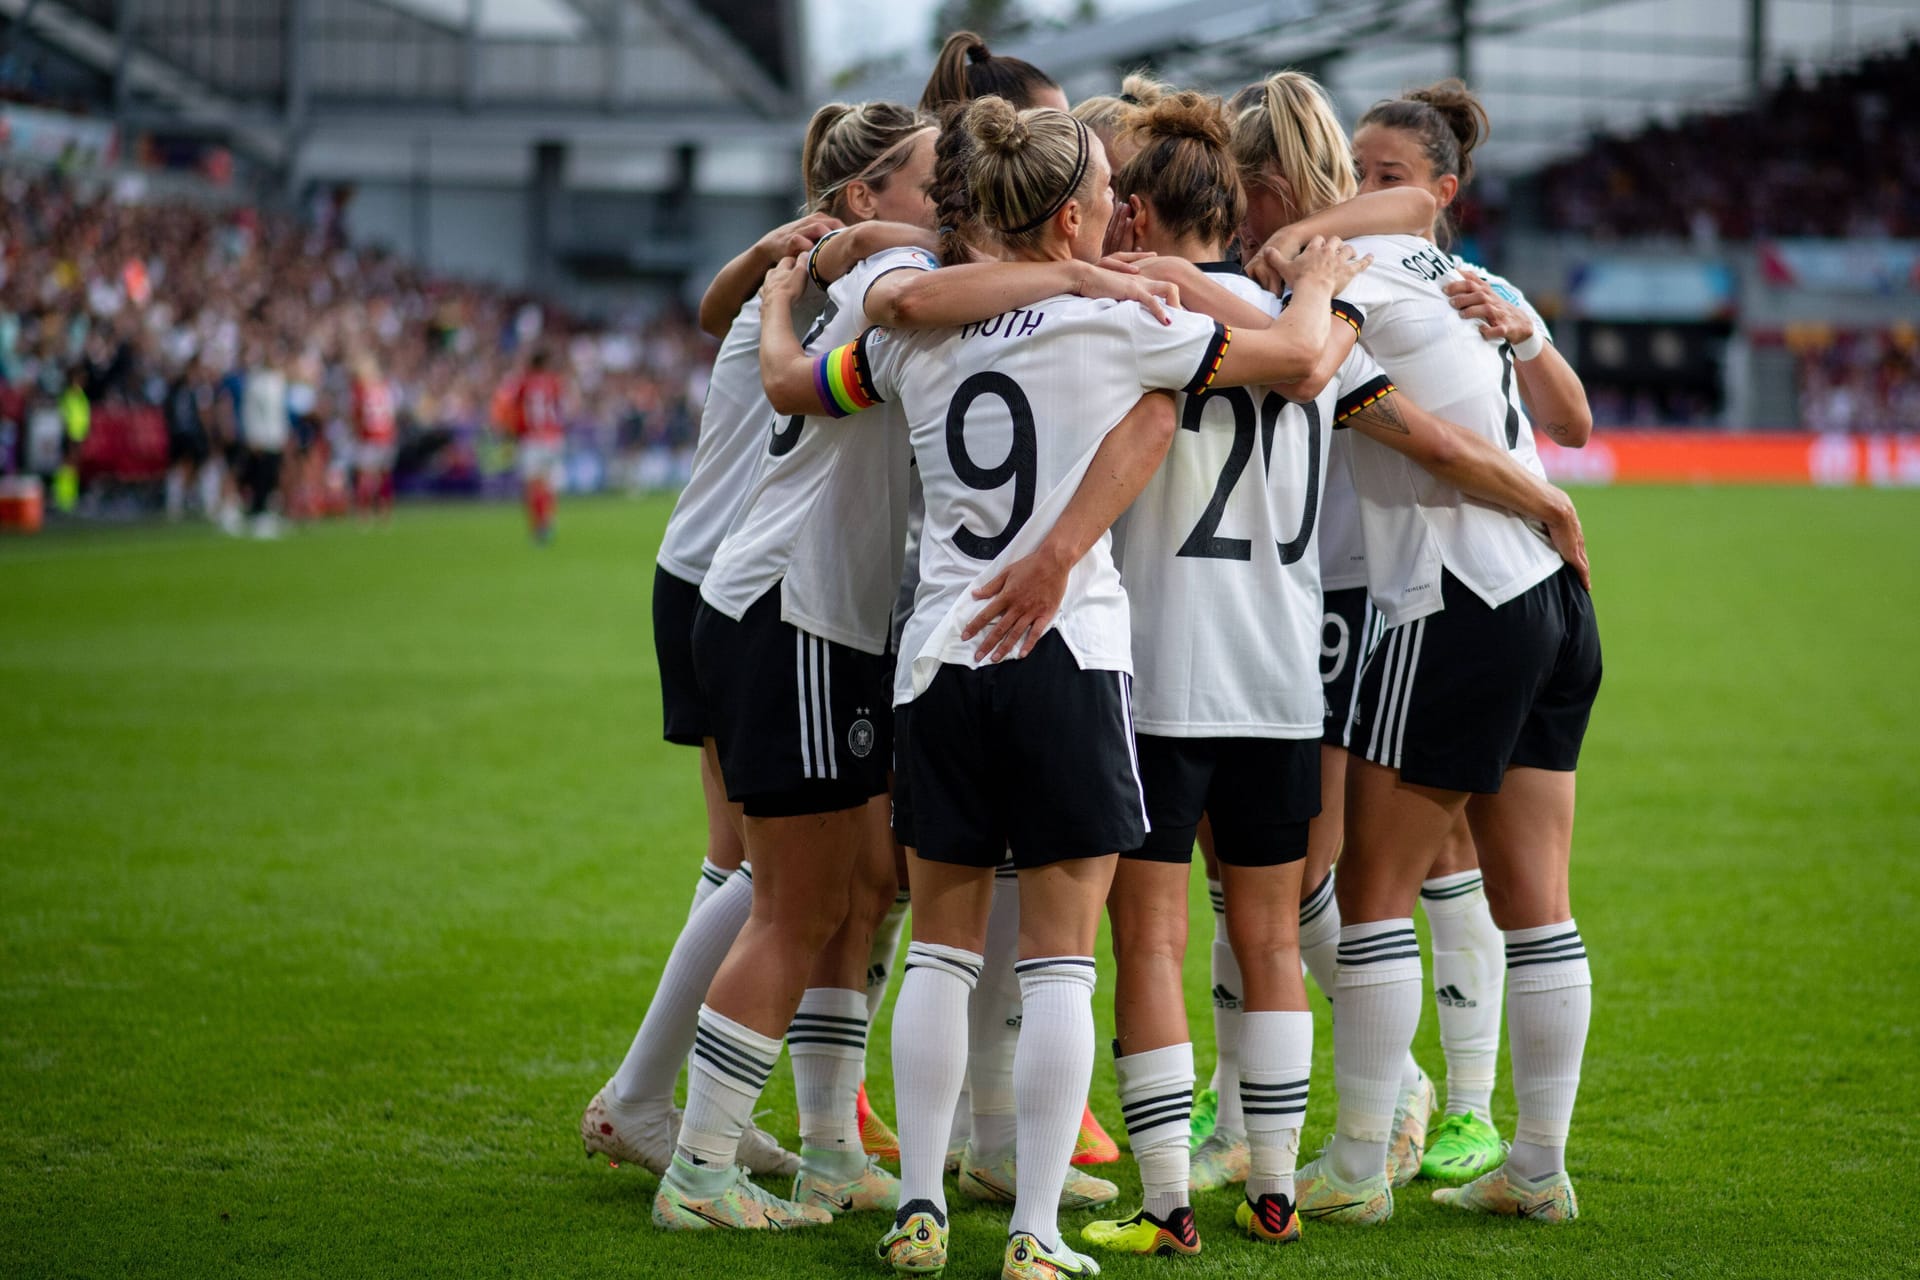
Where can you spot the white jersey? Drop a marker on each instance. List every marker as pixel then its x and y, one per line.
pixel 1005 416
pixel 1416 525
pixel 827 516
pixel 727 458
pixel 1343 554
pixel 1222 567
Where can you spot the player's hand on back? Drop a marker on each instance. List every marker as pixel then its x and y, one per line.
pixel 1499 319
pixel 1021 603
pixel 785 283
pixel 796 237
pixel 1570 540
pixel 1131 284
pixel 1325 260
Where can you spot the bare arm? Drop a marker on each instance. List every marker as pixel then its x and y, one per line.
pixel 1199 292
pixel 981 290
pixel 839 252
pixel 737 280
pixel 786 373
pixel 1291 349
pixel 1404 211
pixel 1556 399
pixel 1478 468
pixel 1022 599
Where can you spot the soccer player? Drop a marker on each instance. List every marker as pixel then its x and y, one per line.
pixel 375 432
pixel 1425 139
pixel 633 1119
pixel 1476 699
pixel 534 407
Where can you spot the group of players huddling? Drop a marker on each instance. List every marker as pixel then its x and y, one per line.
pixel 1032 537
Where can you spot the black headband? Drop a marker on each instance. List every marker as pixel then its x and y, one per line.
pixel 1082 155
pixel 1129 99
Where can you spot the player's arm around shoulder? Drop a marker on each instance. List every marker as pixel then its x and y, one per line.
pixel 1292 350
pixel 1554 395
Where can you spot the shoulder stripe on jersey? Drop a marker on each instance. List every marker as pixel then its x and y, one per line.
pixel 843 379
pixel 1344 310
pixel 1367 394
pixel 1210 363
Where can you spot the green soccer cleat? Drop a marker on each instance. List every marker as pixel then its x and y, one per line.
pixel 872 1188
pixel 694 1199
pixel 1028 1259
pixel 1273 1220
pixel 1408 1143
pixel 1206 1114
pixel 1323 1197
pixel 1461 1148
pixel 1511 1196
pixel 917 1245
pixel 1144 1233
pixel 1222 1160
pixel 999 1182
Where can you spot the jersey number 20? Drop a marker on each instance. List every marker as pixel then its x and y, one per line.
pixel 1205 541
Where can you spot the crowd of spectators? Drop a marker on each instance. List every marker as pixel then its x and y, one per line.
pixel 1833 156
pixel 1866 382
pixel 110 302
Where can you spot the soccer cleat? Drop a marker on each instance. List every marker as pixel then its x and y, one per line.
pixel 998 1183
pixel 623 1139
pixel 1408 1143
pixel 1093 1146
pixel 954 1156
pixel 1144 1233
pixel 1509 1195
pixel 763 1155
pixel 738 1204
pixel 917 1245
pixel 1323 1197
pixel 1028 1259
pixel 876 1139
pixel 1222 1160
pixel 1271 1219
pixel 1462 1148
pixel 873 1188
pixel 1206 1114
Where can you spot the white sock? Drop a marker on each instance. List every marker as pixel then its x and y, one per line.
pixel 711 878
pixel 729 1071
pixel 1051 1070
pixel 1320 934
pixel 929 1060
pixel 1469 959
pixel 994 1025
pixel 886 948
pixel 1217 895
pixel 827 1042
pixel 1276 1061
pixel 1549 1002
pixel 1377 1000
pixel 1228 995
pixel 1156 1098
pixel 961 1131
pixel 652 1064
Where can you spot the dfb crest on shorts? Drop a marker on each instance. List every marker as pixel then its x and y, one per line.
pixel 860 737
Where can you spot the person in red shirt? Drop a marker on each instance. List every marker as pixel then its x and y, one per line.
pixel 533 413
pixel 375 432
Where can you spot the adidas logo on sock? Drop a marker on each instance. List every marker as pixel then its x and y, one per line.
pixel 1223 998
pixel 1452 996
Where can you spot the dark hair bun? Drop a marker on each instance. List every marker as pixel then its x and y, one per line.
pixel 1184 115
pixel 1457 105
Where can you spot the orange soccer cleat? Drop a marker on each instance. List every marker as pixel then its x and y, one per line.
pixel 1093 1145
pixel 876 1139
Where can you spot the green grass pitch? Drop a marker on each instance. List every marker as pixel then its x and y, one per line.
pixel 335 875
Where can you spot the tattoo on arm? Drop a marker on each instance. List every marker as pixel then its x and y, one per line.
pixel 1558 430
pixel 1384 414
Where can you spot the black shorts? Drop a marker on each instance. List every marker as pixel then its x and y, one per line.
pixel 681 705
pixel 1455 699
pixel 187 446
pixel 1259 794
pixel 797 719
pixel 1350 630
pixel 1031 755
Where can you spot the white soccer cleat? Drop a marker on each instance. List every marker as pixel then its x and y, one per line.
pixel 627 1135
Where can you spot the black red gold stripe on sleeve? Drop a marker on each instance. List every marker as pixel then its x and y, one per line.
pixel 1368 393
pixel 1210 363
pixel 1344 310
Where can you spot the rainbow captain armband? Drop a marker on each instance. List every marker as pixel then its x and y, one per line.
pixel 843 381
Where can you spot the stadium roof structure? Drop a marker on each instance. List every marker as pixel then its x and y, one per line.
pixel 1551 72
pixel 366 86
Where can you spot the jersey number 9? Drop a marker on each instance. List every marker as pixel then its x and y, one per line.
pixel 1021 465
